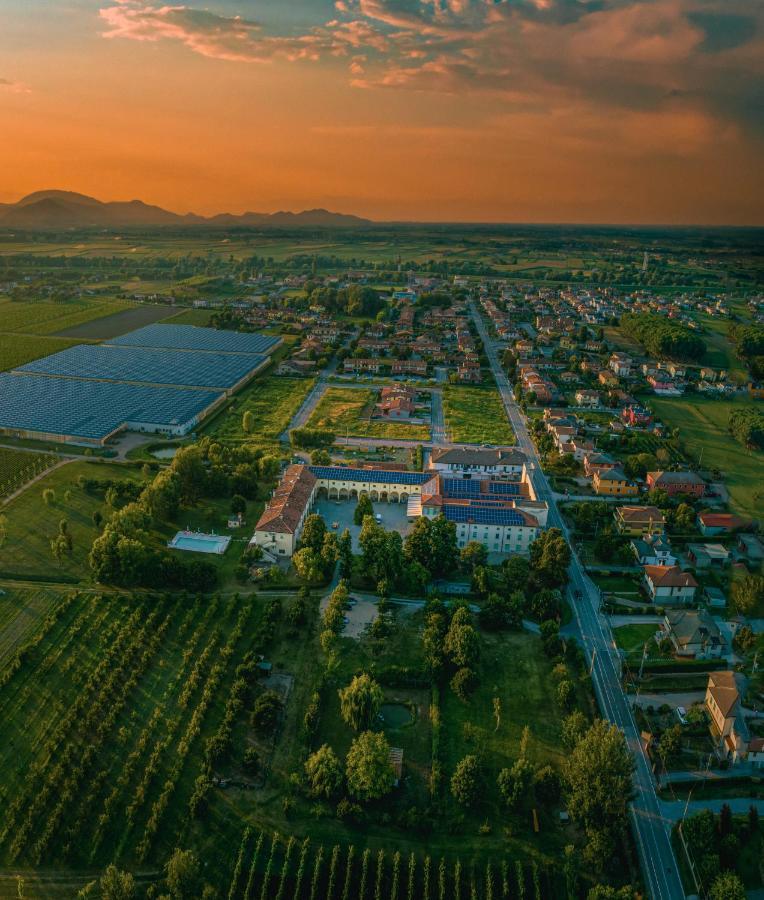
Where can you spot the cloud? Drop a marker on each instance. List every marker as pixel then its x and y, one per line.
pixel 14 87
pixel 701 56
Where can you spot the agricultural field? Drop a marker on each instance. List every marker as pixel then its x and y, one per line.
pixel 199 317
pixel 106 708
pixel 475 415
pixel 702 424
pixel 17 349
pixel 271 399
pixel 347 411
pixel 22 611
pixel 17 467
pixel 45 317
pixel 31 523
pixel 117 323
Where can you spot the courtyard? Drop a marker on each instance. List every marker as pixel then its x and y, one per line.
pixel 341 511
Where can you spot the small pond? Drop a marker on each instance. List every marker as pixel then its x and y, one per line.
pixel 395 715
pixel 164 452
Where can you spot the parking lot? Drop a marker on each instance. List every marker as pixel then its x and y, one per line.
pixel 341 512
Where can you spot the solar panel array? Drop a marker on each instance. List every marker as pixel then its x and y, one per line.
pixel 464 487
pixel 165 367
pixel 190 337
pixel 378 476
pixel 482 516
pixel 92 409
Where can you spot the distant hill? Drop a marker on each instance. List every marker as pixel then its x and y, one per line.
pixel 67 209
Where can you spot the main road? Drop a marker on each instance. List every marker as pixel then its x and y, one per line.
pixel 659 865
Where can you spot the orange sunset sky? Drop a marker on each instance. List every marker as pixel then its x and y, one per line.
pixel 476 110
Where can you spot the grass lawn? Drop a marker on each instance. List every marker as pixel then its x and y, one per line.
pixel 702 424
pixel 31 524
pixel 476 415
pixel 271 399
pixel 632 638
pixel 345 411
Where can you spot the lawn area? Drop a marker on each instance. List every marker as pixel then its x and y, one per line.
pixel 31 524
pixel 17 349
pixel 632 638
pixel 476 415
pixel 345 411
pixel 46 317
pixel 271 399
pixel 702 424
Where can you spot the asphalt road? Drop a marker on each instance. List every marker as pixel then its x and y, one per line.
pixel 659 865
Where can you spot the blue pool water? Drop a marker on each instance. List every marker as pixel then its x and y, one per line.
pixel 200 543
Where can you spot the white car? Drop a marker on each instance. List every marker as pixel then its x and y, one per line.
pixel 681 714
pixel 378 517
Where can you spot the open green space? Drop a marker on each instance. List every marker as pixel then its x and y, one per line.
pixel 22 611
pixel 476 415
pixel 704 438
pixel 632 639
pixel 117 323
pixel 271 399
pixel 346 412
pixel 17 349
pixel 31 523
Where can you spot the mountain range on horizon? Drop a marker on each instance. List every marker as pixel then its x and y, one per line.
pixel 68 209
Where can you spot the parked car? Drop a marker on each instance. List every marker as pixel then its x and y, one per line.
pixel 681 714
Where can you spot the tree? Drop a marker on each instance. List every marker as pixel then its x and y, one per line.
pixel 266 711
pixel 465 782
pixel 368 768
pixel 498 613
pixel 574 727
pixel 182 875
pixel 3 529
pixel 248 422
pixel 320 457
pixel 599 780
pixel 188 465
pixel 462 643
pixel 345 554
pixel 238 504
pixel 313 533
pixel 514 783
pixel 464 683
pixel 473 554
pixel 670 744
pixel 727 886
pixel 308 564
pixel 363 508
pixel 360 702
pixel 116 885
pixel 550 558
pixel 48 496
pixel 324 772
pixel 747 593
pixel 607 892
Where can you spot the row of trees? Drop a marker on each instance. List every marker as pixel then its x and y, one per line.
pixel 747 427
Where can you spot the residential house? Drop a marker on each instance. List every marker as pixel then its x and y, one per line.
pixel 714 597
pixel 588 398
pixel 728 725
pixel 594 462
pixel 363 365
pixel 409 367
pixel 673 483
pixel 712 523
pixel 669 585
pixel 694 634
pixel 653 552
pixel 466 463
pixel 620 363
pixel 638 521
pixel 708 556
pixel 613 482
pixel 636 417
pixel 751 547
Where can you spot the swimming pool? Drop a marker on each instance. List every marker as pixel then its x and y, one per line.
pixel 197 542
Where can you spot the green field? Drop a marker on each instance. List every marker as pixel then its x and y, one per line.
pixel 632 639
pixel 271 399
pixel 476 415
pixel 702 424
pixel 17 467
pixel 17 349
pixel 346 411
pixel 31 524
pixel 22 611
pixel 47 317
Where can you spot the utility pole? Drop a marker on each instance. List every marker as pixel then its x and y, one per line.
pixel 644 657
